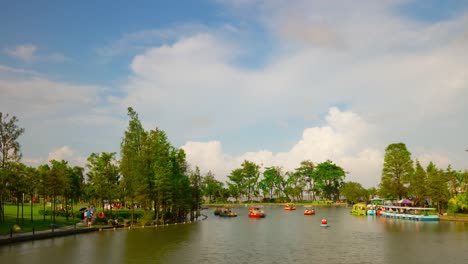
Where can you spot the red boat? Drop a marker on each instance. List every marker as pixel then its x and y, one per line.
pixel 256 212
pixel 309 212
pixel 289 207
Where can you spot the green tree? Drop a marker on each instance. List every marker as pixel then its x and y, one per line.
pixel 396 172
pixel 157 171
pixel 57 182
pixel 418 184
pixel 271 179
pixel 306 170
pixel 43 173
pixel 354 192
pixel 437 185
pixel 236 183
pixel 77 184
pixel 10 152
pixel 17 185
pixel 251 173
pixel 131 160
pixel 31 186
pixel 329 179
pixel 212 188
pixel 103 175
pixel 196 184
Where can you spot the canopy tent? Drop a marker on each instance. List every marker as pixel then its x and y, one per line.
pixel 405 201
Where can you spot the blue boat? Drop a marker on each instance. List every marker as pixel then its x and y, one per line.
pixel 409 213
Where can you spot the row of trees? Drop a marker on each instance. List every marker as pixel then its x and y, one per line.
pixel 246 183
pixel 153 174
pixel 403 178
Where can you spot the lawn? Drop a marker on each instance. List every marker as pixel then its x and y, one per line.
pixel 37 222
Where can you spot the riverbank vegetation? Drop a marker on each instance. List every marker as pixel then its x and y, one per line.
pixel 153 176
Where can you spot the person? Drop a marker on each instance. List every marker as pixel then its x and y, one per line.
pixel 88 217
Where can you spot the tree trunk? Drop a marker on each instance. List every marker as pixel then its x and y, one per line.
pixel 31 202
pixel 66 208
pixel 43 208
pixel 2 213
pixel 17 209
pixel 53 214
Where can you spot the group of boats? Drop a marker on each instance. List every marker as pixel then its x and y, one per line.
pixel 257 212
pixel 401 211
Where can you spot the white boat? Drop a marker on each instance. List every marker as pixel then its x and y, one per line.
pixel 409 213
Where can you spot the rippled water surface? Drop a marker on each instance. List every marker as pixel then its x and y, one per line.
pixel 281 237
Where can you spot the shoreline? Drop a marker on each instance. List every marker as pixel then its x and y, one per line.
pixel 454 218
pixel 46 234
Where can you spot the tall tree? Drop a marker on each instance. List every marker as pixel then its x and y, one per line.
pixel 271 179
pixel 43 173
pixel 306 170
pixel 437 185
pixel 32 180
pixel 251 173
pixel 418 184
pixel 196 184
pixel 329 179
pixel 9 145
pixel 10 152
pixel 212 188
pixel 130 153
pixel 158 152
pixel 396 172
pixel 236 183
pixel 57 182
pixel 104 175
pixel 354 192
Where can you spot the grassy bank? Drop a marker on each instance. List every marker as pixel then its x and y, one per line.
pixel 26 223
pixel 455 217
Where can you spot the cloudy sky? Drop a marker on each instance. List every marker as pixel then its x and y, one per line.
pixel 275 82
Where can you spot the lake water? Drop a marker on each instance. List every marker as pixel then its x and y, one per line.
pixel 281 237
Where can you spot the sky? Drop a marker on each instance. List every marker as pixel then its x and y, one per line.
pixel 274 82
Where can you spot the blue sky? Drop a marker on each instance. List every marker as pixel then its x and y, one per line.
pixel 276 82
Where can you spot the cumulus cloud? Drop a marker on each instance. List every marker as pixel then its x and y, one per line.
pixel 67 154
pixel 28 53
pixel 403 76
pixel 24 52
pixel 60 113
pixel 394 79
pixel 344 139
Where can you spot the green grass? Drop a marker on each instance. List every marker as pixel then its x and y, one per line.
pixel 37 222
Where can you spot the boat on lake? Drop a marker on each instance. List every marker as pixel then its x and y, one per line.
pixel 289 207
pixel 224 212
pixel 371 209
pixel 409 213
pixel 359 209
pixel 256 212
pixel 309 212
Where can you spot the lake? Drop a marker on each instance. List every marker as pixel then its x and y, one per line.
pixel 281 237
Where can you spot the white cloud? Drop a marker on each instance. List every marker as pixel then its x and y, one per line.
pixel 441 160
pixel 67 154
pixel 343 139
pixel 395 79
pixel 28 53
pixel 24 52
pixel 57 57
pixel 405 77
